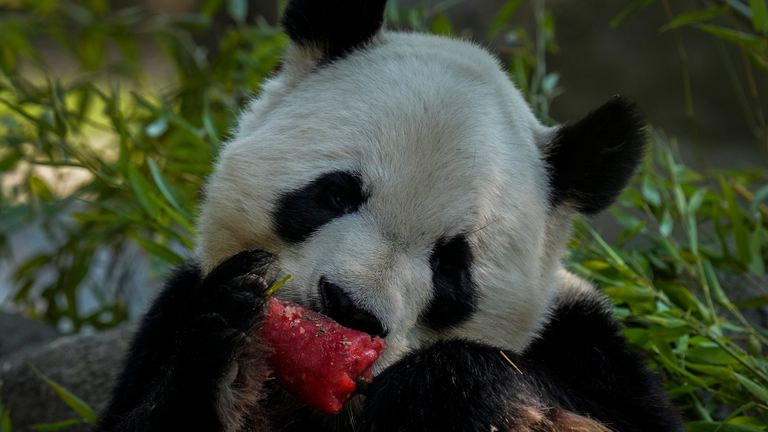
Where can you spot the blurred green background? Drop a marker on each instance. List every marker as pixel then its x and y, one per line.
pixel 111 113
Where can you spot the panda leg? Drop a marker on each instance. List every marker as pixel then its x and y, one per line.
pixel 458 386
pixel 186 369
pixel 585 354
pixel 580 375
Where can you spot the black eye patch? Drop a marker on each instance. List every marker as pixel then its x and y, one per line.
pixel 455 298
pixel 303 211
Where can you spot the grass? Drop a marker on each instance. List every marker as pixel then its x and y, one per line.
pixel 686 270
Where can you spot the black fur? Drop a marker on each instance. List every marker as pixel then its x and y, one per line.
pixel 578 373
pixel 186 342
pixel 593 160
pixel 337 27
pixel 595 372
pixel 300 213
pixel 454 299
pixel 580 368
pixel 450 386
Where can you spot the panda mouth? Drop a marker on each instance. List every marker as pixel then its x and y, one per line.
pixel 339 306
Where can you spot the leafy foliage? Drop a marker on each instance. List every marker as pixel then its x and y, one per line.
pixel 85 414
pixel 142 153
pixel 682 236
pixel 139 131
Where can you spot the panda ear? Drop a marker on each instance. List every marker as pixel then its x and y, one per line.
pixel 335 27
pixel 591 161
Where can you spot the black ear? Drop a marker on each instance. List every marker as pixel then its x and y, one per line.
pixel 593 160
pixel 334 26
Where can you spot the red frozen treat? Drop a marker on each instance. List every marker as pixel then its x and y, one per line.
pixel 316 358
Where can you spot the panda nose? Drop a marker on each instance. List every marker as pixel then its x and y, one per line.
pixel 339 306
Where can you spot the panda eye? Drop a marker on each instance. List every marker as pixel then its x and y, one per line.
pixel 341 193
pixel 301 212
pixel 336 199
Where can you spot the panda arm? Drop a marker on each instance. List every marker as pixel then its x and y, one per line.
pixel 580 375
pixel 184 368
pixel 583 351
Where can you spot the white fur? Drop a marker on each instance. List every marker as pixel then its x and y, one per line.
pixel 446 145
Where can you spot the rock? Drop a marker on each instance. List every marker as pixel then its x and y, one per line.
pixel 19 332
pixel 86 365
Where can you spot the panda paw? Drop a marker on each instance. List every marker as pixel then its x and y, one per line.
pixel 235 291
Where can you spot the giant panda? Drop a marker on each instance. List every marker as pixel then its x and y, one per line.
pixel 408 188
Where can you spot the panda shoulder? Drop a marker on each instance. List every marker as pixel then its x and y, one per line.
pixel 573 290
pixel 580 312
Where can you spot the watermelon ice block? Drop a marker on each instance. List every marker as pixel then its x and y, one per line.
pixel 315 358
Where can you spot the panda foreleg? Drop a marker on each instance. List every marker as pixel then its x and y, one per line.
pixel 186 368
pixel 459 385
pixel 590 364
pixel 579 375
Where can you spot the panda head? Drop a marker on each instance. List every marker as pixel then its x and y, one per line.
pixel 406 185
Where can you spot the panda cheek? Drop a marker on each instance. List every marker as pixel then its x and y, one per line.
pixel 455 296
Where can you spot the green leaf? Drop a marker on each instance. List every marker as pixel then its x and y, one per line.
pixel 9 162
pixel 665 322
pixel 650 193
pixel 757 241
pixel 630 294
pixel 760 196
pixel 141 190
pixel 56 426
pixel 75 403
pixel 755 302
pixel 711 356
pixel 759 15
pixel 277 285
pixel 629 10
pixel 158 250
pixel 711 426
pixel 667 224
pixel 756 389
pixel 713 282
pixel 740 38
pixel 503 16
pixel 441 25
pixel 683 298
pixel 596 265
pixel 738 227
pixel 5 419
pixel 694 17
pixel 157 176
pixel 39 188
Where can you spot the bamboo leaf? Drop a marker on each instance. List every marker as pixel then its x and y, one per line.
pixel 56 426
pixel 157 176
pixel 759 15
pixel 737 37
pixel 75 403
pixel 693 18
pixel 141 190
pixel 629 10
pixel 503 16
pixel 711 426
pixel 756 389
pixel 158 250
